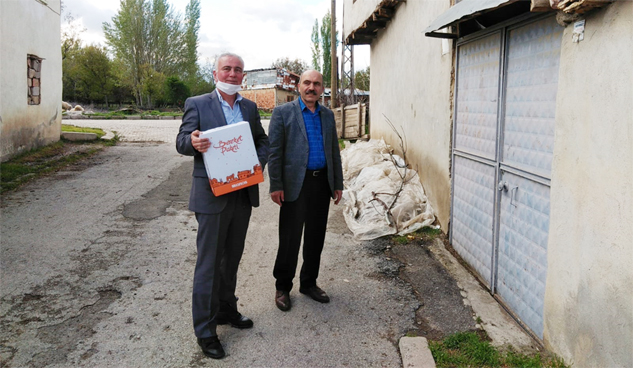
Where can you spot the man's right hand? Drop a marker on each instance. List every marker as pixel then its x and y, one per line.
pixel 277 196
pixel 199 144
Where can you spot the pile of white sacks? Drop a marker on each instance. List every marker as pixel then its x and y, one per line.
pixel 369 168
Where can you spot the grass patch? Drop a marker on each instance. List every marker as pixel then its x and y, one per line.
pixel 469 349
pixel 265 114
pixel 38 162
pixel 341 144
pixel 424 234
pixel 71 128
pixel 125 113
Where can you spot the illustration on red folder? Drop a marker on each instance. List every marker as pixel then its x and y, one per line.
pixel 231 160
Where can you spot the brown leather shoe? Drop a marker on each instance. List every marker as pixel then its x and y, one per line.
pixel 282 300
pixel 315 293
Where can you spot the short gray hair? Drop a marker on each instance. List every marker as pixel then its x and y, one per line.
pixel 225 54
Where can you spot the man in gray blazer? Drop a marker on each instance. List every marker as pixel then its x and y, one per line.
pixel 305 171
pixel 222 221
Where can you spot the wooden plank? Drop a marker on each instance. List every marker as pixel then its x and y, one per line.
pixel 540 6
pixel 360 119
pixel 339 122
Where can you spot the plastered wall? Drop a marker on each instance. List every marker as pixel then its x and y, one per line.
pixel 589 291
pixel 29 27
pixel 411 86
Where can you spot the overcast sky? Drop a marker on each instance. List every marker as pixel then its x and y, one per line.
pixel 261 31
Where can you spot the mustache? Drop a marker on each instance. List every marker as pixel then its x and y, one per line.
pixel 311 92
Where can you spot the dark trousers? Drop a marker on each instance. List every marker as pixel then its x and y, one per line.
pixel 307 215
pixel 220 244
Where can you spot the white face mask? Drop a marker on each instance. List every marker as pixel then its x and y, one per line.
pixel 229 89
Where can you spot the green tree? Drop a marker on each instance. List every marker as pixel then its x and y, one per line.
pixel 70 33
pixel 94 73
pixel 70 47
pixel 70 77
pixel 192 28
pixel 176 91
pixel 203 82
pixel 296 66
pixel 151 40
pixel 316 47
pixel 326 46
pixel 361 79
pixel 122 91
pixel 126 37
pixel 152 86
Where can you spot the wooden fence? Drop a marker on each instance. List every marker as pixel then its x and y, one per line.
pixel 353 123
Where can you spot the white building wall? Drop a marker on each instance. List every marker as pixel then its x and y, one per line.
pixel 411 85
pixel 589 292
pixel 29 27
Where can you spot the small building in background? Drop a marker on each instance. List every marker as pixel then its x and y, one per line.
pixel 270 87
pixel 360 96
pixel 30 75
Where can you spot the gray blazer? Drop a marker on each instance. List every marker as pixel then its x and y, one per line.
pixel 205 112
pixel 288 158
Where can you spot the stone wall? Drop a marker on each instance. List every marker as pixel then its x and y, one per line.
pixel 34 73
pixel 264 98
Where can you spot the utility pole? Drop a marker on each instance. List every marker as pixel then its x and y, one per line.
pixel 334 80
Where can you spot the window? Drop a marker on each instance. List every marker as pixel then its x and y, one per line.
pixel 33 73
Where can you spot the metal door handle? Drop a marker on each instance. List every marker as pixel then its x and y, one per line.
pixel 513 193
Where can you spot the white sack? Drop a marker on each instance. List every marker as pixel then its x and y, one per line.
pixel 370 172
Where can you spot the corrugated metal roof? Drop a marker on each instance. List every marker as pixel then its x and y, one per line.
pixel 464 10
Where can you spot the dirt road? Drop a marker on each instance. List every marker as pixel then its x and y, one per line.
pixel 97 264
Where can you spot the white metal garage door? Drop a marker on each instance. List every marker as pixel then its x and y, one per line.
pixel 502 152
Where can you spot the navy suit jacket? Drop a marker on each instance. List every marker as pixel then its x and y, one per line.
pixel 289 150
pixel 202 113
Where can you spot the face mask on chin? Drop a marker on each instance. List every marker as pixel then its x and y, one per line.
pixel 229 89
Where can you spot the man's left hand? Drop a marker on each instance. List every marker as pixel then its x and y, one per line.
pixel 338 194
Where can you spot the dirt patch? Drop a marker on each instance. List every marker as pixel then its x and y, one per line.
pixel 172 192
pixel 55 157
pixel 442 310
pixel 64 336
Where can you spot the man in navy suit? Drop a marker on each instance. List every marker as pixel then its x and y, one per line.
pixel 222 221
pixel 305 171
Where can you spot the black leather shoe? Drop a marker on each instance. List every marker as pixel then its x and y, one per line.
pixel 315 293
pixel 211 347
pixel 282 300
pixel 237 321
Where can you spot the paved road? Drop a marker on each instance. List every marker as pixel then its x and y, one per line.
pixel 97 264
pixel 139 130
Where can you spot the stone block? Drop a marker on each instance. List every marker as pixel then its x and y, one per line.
pixel 415 353
pixel 78 136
